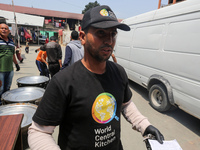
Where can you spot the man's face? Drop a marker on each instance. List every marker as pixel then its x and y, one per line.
pixel 4 30
pixel 99 43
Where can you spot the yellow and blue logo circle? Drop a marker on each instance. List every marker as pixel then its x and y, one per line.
pixel 104 108
pixel 104 12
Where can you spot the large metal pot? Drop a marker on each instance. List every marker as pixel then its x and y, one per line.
pixel 36 81
pixel 20 108
pixel 23 95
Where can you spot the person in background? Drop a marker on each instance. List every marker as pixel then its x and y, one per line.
pixel 73 51
pixel 17 49
pixel 54 55
pixel 114 58
pixel 87 98
pixel 27 46
pixel 7 57
pixel 60 33
pixel 47 40
pixel 18 53
pixel 42 63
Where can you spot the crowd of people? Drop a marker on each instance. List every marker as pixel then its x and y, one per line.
pixel 48 60
pixel 86 94
pixel 53 52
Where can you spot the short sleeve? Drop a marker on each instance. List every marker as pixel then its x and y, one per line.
pixel 59 52
pixel 127 92
pixel 52 106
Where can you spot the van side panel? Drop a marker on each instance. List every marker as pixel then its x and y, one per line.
pixel 169 47
pixel 124 46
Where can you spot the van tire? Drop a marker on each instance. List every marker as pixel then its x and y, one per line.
pixel 158 98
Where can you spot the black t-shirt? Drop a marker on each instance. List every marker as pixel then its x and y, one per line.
pixel 54 52
pixel 87 107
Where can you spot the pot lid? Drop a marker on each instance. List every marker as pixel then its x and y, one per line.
pixel 20 108
pixel 23 94
pixel 32 80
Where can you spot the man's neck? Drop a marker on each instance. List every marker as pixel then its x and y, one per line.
pixel 94 66
pixel 4 38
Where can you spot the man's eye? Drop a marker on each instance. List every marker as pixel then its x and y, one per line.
pixel 104 34
pixel 101 33
pixel 114 34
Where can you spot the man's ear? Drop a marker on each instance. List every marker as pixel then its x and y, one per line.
pixel 82 37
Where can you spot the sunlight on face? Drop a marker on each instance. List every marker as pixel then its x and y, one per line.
pixel 100 43
pixel 4 30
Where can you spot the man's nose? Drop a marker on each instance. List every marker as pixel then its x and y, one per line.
pixel 109 39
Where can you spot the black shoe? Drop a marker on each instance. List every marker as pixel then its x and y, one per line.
pixel 21 60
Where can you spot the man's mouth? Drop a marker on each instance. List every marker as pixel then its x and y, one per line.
pixel 106 50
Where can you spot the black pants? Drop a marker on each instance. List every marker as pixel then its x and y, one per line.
pixel 27 49
pixel 54 68
pixel 42 67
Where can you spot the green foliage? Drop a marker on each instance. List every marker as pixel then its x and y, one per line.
pixel 90 5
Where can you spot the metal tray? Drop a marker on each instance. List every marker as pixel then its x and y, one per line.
pixel 32 80
pixel 23 94
pixel 20 108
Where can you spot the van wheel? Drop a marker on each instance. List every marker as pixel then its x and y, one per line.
pixel 158 98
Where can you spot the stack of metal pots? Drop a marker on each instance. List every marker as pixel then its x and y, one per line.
pixel 24 100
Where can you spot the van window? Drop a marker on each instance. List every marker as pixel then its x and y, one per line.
pixel 148 37
pixel 180 40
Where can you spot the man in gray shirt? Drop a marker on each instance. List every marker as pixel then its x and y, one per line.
pixel 74 50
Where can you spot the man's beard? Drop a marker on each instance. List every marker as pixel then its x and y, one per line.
pixel 96 53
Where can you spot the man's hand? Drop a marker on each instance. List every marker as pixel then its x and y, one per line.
pixel 152 130
pixel 17 66
pixel 36 50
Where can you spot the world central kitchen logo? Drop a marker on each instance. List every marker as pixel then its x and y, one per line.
pixel 104 108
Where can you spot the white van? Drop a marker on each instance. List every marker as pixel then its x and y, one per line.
pixel 162 53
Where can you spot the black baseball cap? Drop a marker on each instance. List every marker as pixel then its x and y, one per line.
pixel 102 17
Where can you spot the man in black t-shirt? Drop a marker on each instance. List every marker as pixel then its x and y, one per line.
pixel 86 99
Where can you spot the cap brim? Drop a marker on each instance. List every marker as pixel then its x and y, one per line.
pixel 110 24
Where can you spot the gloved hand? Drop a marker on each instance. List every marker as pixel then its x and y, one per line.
pixel 36 50
pixel 152 130
pixel 17 66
